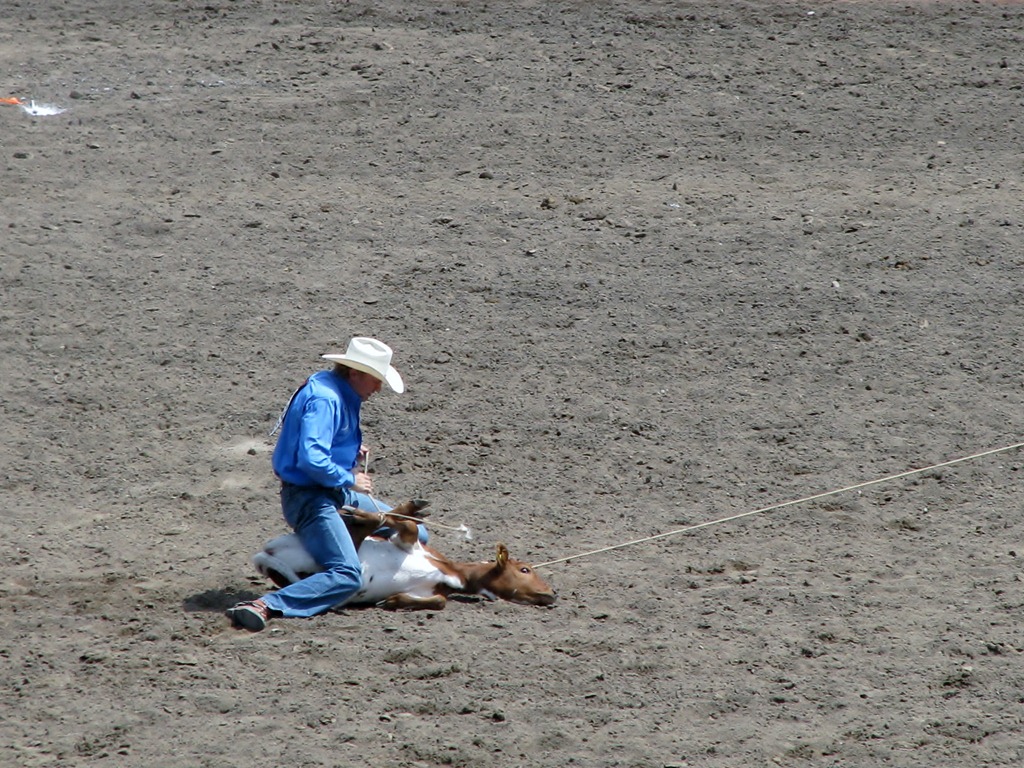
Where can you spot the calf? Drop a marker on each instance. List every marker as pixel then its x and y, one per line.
pixel 400 572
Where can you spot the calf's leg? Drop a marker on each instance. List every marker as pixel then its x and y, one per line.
pixel 406 602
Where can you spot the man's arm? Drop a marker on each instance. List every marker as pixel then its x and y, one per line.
pixel 316 434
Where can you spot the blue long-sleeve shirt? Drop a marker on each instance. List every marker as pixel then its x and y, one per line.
pixel 320 436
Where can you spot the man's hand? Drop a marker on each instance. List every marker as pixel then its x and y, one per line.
pixel 362 483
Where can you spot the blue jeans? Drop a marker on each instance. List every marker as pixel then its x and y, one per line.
pixel 313 514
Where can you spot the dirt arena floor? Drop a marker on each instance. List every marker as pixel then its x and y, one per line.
pixel 645 265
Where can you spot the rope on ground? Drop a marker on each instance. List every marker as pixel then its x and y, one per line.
pixel 762 510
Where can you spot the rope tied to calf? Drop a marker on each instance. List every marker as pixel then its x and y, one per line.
pixel 463 529
pixel 772 507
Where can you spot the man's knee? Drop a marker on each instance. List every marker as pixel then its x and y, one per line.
pixel 352 575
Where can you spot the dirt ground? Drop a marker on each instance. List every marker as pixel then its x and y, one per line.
pixel 644 265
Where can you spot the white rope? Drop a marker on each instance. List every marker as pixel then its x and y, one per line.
pixel 729 519
pixel 463 529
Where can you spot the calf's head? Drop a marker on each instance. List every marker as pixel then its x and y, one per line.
pixel 517 582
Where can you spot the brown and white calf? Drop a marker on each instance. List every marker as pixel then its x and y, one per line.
pixel 400 572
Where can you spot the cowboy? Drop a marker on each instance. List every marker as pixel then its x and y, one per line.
pixel 317 461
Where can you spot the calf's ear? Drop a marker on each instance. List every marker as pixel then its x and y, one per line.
pixel 502 557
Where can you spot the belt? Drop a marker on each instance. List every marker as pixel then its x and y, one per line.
pixel 333 491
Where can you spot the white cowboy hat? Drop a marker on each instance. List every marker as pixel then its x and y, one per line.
pixel 372 357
